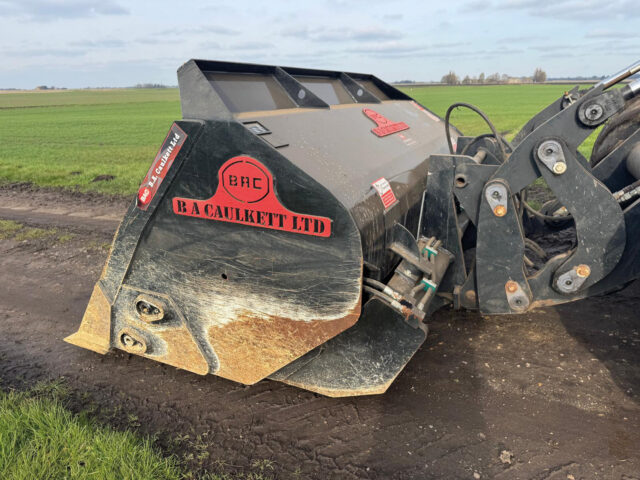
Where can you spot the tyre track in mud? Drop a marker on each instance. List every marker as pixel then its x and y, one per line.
pixel 558 389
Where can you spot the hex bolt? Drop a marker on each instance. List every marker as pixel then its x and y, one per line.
pixel 496 194
pixel 500 211
pixel 583 271
pixel 511 286
pixel 559 168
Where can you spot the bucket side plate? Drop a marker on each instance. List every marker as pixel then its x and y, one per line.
pixel 363 360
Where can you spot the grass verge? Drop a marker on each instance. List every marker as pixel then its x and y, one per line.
pixel 41 439
pixel 10 230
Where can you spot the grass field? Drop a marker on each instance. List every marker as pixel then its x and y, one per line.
pixel 509 107
pixel 68 138
pixel 64 139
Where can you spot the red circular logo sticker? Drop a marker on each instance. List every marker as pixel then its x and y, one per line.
pixel 245 180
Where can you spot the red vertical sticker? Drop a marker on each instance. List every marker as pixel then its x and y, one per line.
pixel 383 188
pixel 160 166
pixel 385 126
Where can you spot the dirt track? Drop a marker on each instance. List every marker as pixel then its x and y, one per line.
pixel 548 395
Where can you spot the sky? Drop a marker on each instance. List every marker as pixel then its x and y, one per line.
pixel 114 43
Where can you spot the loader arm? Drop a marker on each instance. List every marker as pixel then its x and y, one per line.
pixel 596 207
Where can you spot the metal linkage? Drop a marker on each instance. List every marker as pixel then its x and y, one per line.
pixel 490 196
pixel 416 278
pixel 550 154
pixel 600 227
pixel 549 150
pixel 500 276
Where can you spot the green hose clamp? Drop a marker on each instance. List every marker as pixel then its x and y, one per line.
pixel 430 251
pixel 429 285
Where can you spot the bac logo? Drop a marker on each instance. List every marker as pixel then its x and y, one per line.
pixel 245 180
pixel 246 195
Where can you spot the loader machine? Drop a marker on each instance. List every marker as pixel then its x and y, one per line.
pixel 302 225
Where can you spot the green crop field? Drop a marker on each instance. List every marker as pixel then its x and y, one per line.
pixel 68 138
pixel 509 107
pixel 64 139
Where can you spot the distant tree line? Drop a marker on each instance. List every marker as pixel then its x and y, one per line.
pixel 539 76
pixel 595 78
pixel 150 85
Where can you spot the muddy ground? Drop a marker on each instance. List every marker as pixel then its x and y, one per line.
pixel 553 394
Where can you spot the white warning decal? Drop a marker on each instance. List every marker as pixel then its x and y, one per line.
pixel 386 193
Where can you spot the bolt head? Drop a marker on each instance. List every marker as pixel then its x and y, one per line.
pixel 583 271
pixel 500 211
pixel 559 168
pixel 511 286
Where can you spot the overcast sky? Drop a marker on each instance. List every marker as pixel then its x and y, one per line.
pixel 79 43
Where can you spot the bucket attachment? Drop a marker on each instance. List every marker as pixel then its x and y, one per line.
pixel 301 225
pixel 246 246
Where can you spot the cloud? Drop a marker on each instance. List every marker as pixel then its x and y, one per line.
pixel 45 52
pixel 47 10
pixel 401 49
pixel 475 5
pixel 573 10
pixel 169 35
pixel 518 39
pixel 453 50
pixel 210 46
pixel 558 47
pixel 520 4
pixel 197 30
pixel 387 49
pixel 450 44
pixel 365 34
pixel 610 34
pixel 105 43
pixel 250 46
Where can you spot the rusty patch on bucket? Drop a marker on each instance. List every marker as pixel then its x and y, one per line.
pixel 181 350
pixel 95 329
pixel 252 347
